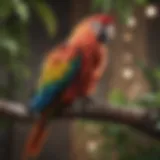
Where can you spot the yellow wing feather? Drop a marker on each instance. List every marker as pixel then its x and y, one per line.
pixel 55 66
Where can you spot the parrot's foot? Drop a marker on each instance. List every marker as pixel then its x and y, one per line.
pixel 87 102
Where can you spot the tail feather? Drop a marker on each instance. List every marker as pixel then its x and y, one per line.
pixel 36 139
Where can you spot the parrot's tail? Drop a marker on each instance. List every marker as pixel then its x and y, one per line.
pixel 36 139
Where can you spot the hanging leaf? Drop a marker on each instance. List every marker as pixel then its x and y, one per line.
pixel 9 44
pixel 46 14
pixel 22 9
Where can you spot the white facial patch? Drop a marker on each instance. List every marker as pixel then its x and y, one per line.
pixel 110 31
pixel 96 27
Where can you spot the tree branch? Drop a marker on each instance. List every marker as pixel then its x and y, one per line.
pixel 145 120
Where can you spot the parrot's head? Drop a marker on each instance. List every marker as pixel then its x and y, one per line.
pixel 103 27
pixel 99 27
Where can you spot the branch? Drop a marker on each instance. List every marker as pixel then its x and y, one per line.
pixel 145 120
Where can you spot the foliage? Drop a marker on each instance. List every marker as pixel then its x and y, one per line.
pixel 124 138
pixel 116 97
pixel 128 143
pixel 123 8
pixel 15 16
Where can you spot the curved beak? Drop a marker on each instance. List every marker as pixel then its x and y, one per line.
pixel 106 33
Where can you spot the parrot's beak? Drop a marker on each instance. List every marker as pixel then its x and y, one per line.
pixel 106 34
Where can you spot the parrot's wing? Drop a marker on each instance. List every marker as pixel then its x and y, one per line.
pixel 57 73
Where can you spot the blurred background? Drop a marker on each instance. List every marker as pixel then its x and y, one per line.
pixel 30 28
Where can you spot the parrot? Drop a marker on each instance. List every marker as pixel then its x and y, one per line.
pixel 70 70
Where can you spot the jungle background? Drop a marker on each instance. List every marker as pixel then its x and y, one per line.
pixel 28 29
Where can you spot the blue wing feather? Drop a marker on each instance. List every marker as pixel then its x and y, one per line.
pixel 50 91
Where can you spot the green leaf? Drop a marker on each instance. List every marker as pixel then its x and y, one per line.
pixel 46 14
pixel 141 2
pixel 97 4
pixel 124 9
pixel 117 97
pixel 10 44
pixel 22 9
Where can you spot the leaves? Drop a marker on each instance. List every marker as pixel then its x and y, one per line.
pixel 9 44
pixel 14 46
pixel 46 14
pixel 116 97
pixel 123 139
pixel 97 4
pixel 124 8
pixel 22 9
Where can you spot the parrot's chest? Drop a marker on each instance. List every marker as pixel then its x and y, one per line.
pixel 82 82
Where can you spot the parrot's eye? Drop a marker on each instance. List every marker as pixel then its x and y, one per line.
pixel 99 32
pixel 103 32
